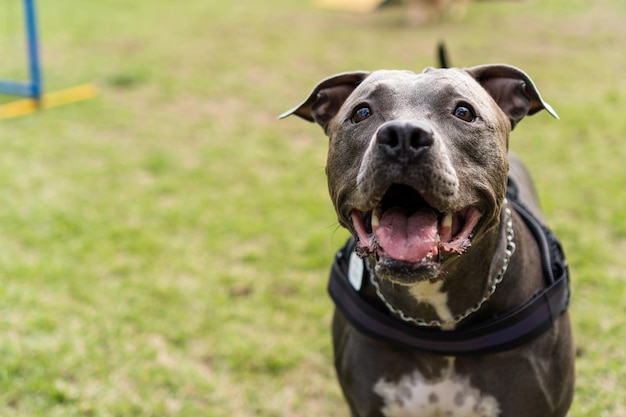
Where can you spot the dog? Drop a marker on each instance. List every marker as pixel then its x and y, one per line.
pixel 450 306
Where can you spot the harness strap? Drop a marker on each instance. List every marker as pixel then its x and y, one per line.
pixel 507 331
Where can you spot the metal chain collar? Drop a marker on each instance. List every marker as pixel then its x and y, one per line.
pixel 510 249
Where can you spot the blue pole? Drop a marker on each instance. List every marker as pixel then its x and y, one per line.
pixel 33 50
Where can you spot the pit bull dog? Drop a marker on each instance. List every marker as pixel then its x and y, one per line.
pixel 449 299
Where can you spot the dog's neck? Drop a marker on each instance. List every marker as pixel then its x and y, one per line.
pixel 461 289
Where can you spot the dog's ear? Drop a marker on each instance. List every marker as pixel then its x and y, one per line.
pixel 512 89
pixel 327 97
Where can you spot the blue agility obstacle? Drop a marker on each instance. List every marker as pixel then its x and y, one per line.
pixel 32 88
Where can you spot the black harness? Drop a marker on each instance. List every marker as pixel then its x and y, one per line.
pixel 507 331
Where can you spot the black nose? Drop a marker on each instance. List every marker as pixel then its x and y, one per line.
pixel 404 140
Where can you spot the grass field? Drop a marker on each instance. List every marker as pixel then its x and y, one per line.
pixel 164 248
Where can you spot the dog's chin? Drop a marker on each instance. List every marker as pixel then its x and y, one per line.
pixel 406 273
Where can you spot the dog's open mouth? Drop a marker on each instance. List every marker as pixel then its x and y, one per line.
pixel 406 229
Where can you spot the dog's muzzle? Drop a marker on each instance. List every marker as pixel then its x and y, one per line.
pixel 405 228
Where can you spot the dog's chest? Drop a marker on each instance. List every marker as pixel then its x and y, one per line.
pixel 452 395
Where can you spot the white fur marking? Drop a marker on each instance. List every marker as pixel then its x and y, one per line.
pixel 430 293
pixel 451 395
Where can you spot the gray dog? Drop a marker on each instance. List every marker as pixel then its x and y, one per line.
pixel 451 296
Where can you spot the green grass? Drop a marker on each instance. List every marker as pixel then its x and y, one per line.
pixel 165 247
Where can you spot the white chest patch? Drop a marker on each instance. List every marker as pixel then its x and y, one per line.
pixel 451 396
pixel 430 293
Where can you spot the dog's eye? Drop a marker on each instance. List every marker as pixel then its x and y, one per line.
pixel 361 114
pixel 464 112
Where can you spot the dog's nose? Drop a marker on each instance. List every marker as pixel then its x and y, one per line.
pixel 404 140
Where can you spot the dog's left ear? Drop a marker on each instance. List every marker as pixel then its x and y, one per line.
pixel 327 98
pixel 512 89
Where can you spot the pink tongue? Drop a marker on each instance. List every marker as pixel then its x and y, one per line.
pixel 407 238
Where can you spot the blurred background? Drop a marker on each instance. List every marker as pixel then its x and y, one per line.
pixel 165 246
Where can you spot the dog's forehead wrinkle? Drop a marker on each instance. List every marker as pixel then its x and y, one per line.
pixel 388 90
pixel 418 94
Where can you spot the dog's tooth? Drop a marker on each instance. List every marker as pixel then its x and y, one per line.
pixel 447 220
pixel 375 218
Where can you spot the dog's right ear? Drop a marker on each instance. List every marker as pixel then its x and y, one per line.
pixel 327 98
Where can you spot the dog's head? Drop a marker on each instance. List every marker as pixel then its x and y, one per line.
pixel 417 163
